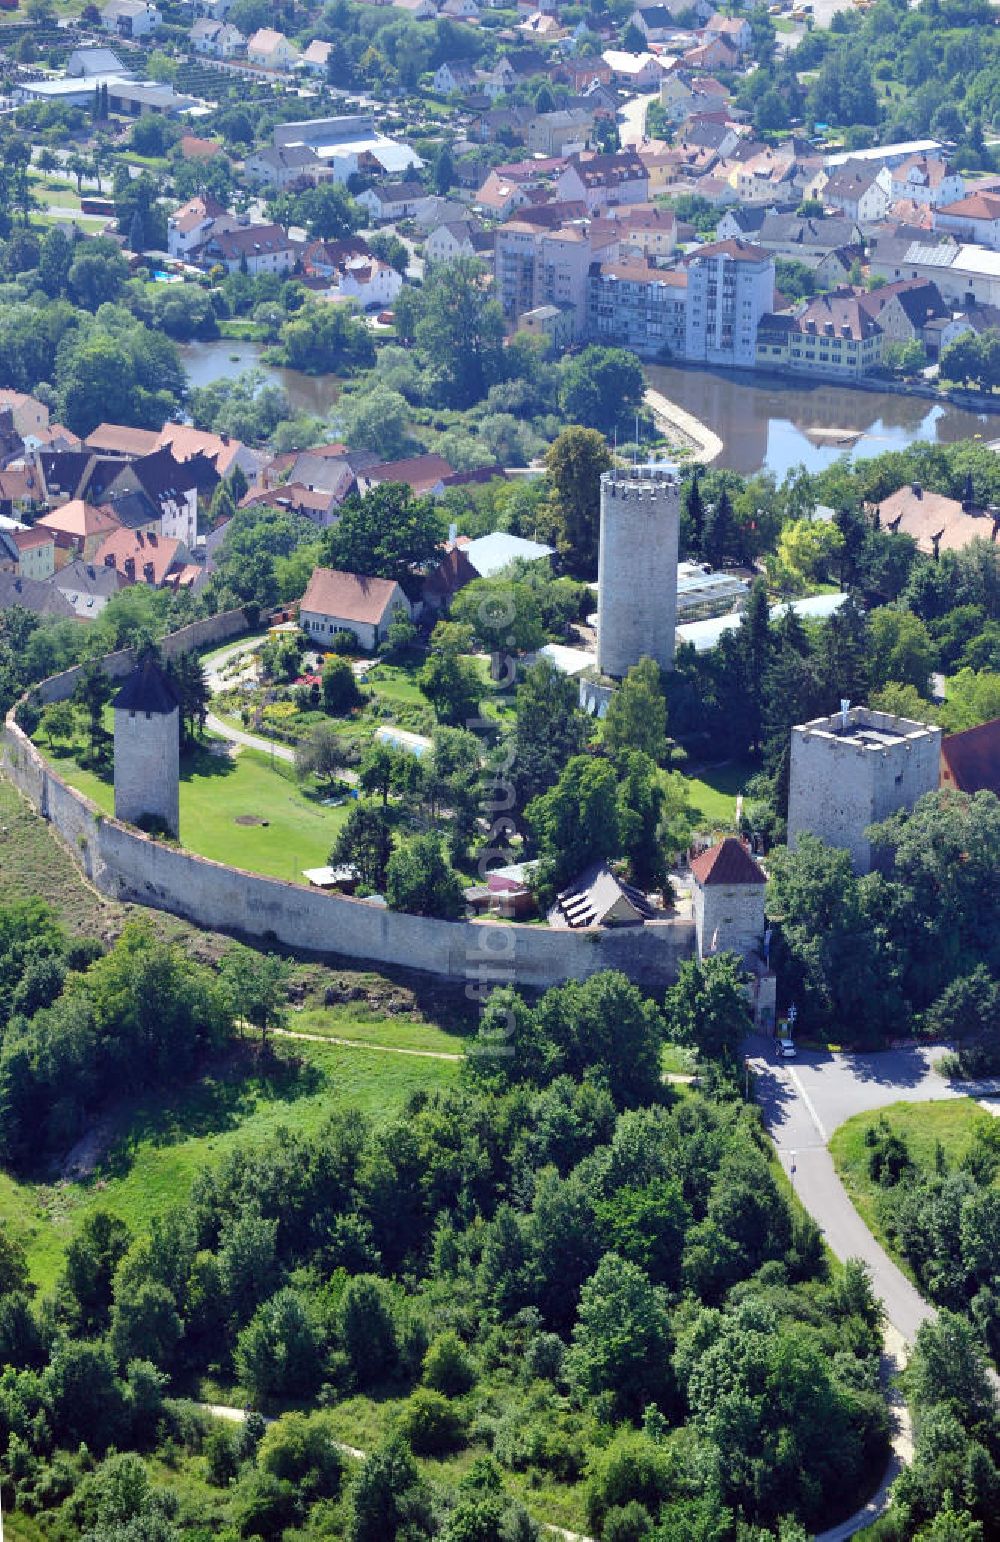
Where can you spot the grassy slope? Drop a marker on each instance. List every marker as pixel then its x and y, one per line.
pixel 167 1138
pixel 922 1125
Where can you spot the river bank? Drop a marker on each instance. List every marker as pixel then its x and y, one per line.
pixel 777 424
pixel 680 425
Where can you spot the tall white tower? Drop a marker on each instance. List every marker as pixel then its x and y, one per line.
pixel 147 748
pixel 637 567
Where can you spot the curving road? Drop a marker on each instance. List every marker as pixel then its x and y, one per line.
pixel 803 1102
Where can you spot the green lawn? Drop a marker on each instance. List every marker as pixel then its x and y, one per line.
pixel 922 1125
pixel 218 791
pixel 166 1139
pixel 713 792
pixel 396 684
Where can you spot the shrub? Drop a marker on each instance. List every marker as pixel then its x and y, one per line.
pixel 432 1425
pixel 447 1367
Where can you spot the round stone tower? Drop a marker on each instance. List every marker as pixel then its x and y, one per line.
pixel 147 748
pixel 637 567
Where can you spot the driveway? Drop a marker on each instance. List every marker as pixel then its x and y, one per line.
pixel 804 1101
pixel 632 119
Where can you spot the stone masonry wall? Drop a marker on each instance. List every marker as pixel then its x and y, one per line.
pixel 128 865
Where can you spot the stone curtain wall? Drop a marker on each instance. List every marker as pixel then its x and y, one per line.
pixel 127 865
pixel 198 634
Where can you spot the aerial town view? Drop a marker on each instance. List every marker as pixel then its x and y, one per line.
pixel 499 771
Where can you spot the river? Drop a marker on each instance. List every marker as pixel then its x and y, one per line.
pixel 766 424
pixel 208 361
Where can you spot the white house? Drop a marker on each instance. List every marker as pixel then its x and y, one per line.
pixel 216 39
pixel 368 280
pixel 348 602
pixel 255 248
pixel 928 182
pixel 130 18
pixel 642 71
pixel 191 225
pixel 859 189
pixel 975 218
pixel 316 57
pixel 449 241
pixel 271 50
pixel 453 76
pixel 395 200
pixel 282 166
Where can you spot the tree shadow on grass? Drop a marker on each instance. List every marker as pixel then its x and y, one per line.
pixel 199 760
pixel 219 1101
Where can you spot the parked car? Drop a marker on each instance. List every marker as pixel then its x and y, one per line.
pixel 786 1049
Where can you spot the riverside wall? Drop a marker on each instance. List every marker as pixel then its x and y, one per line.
pixel 127 865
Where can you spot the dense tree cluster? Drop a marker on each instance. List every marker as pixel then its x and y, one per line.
pixel 559 1224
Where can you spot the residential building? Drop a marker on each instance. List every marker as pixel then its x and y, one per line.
pixel 190 225
pixel 253 249
pixel 367 280
pixel 632 305
pixel 285 166
pixel 453 76
pixel 733 30
pixel 348 602
pixel 905 309
pixel 643 72
pixel 645 231
pixel 715 53
pixel 534 267
pixel 654 22
pixel 143 557
pixel 835 335
pixel 80 530
pixel 395 201
pixel 20 490
pixel 681 94
pixel 566 131
pixel 42 599
pixel 271 50
pixel 217 39
pixel 88 586
pixel 858 189
pixel 730 287
pixel 935 522
pixel 30 417
pixel 456 238
pixel 553 323
pixel 423 474
pixel 29 553
pixel 929 183
pixel 974 218
pixel 603 181
pixel 316 57
pixel 130 18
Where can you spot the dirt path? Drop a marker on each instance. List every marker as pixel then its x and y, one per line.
pixel 383 1049
pixel 238 1415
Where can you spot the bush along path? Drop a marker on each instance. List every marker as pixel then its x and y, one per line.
pixel 238 1416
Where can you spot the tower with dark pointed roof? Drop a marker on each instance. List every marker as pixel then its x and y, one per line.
pixel 147 748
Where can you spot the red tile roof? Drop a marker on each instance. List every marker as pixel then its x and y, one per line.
pixel 970 761
pixel 727 863
pixel 348 596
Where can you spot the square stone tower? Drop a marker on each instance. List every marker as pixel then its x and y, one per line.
pixel 853 769
pixel 637 568
pixel 147 747
pixel 728 900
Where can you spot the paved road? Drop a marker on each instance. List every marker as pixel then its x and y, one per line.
pixel 214 664
pixel 632 119
pixel 804 1102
